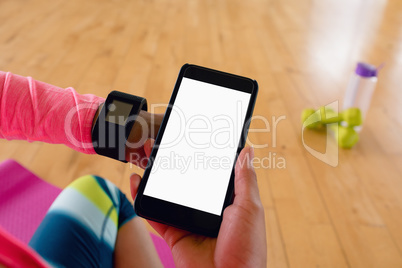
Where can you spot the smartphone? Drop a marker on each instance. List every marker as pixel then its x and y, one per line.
pixel 189 178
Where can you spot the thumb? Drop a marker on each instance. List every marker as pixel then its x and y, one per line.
pixel 246 186
pixel 135 180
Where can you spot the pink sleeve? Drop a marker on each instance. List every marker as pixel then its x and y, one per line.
pixel 13 253
pixel 35 111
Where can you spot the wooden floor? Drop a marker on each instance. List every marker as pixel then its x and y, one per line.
pixel 302 54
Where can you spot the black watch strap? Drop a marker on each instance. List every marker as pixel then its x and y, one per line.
pixel 114 124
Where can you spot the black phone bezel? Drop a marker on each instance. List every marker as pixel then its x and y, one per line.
pixel 177 215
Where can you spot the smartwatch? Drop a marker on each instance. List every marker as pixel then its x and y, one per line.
pixel 114 124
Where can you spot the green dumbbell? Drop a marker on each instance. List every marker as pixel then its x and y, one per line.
pixel 346 137
pixel 316 119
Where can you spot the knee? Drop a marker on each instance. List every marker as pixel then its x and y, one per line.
pixel 105 195
pixel 84 179
pixel 85 183
pixel 96 188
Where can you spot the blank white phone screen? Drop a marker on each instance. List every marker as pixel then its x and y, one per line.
pixel 194 162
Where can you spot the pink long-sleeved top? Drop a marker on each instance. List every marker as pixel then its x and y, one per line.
pixel 35 111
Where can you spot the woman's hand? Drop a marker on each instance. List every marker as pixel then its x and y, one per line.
pixel 241 241
pixel 146 127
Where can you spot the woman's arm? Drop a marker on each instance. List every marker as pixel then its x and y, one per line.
pixel 35 111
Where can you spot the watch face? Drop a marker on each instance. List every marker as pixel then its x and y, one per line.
pixel 118 112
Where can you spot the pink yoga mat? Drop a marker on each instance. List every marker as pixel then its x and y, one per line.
pixel 25 199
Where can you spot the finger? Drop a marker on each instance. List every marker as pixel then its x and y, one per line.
pixel 156 123
pixel 170 234
pixel 137 157
pixel 149 143
pixel 246 187
pixel 159 227
pixel 135 180
pixel 152 122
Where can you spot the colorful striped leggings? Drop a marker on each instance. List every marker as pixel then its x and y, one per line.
pixel 81 226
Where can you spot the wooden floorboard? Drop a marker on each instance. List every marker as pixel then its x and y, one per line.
pixel 302 53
